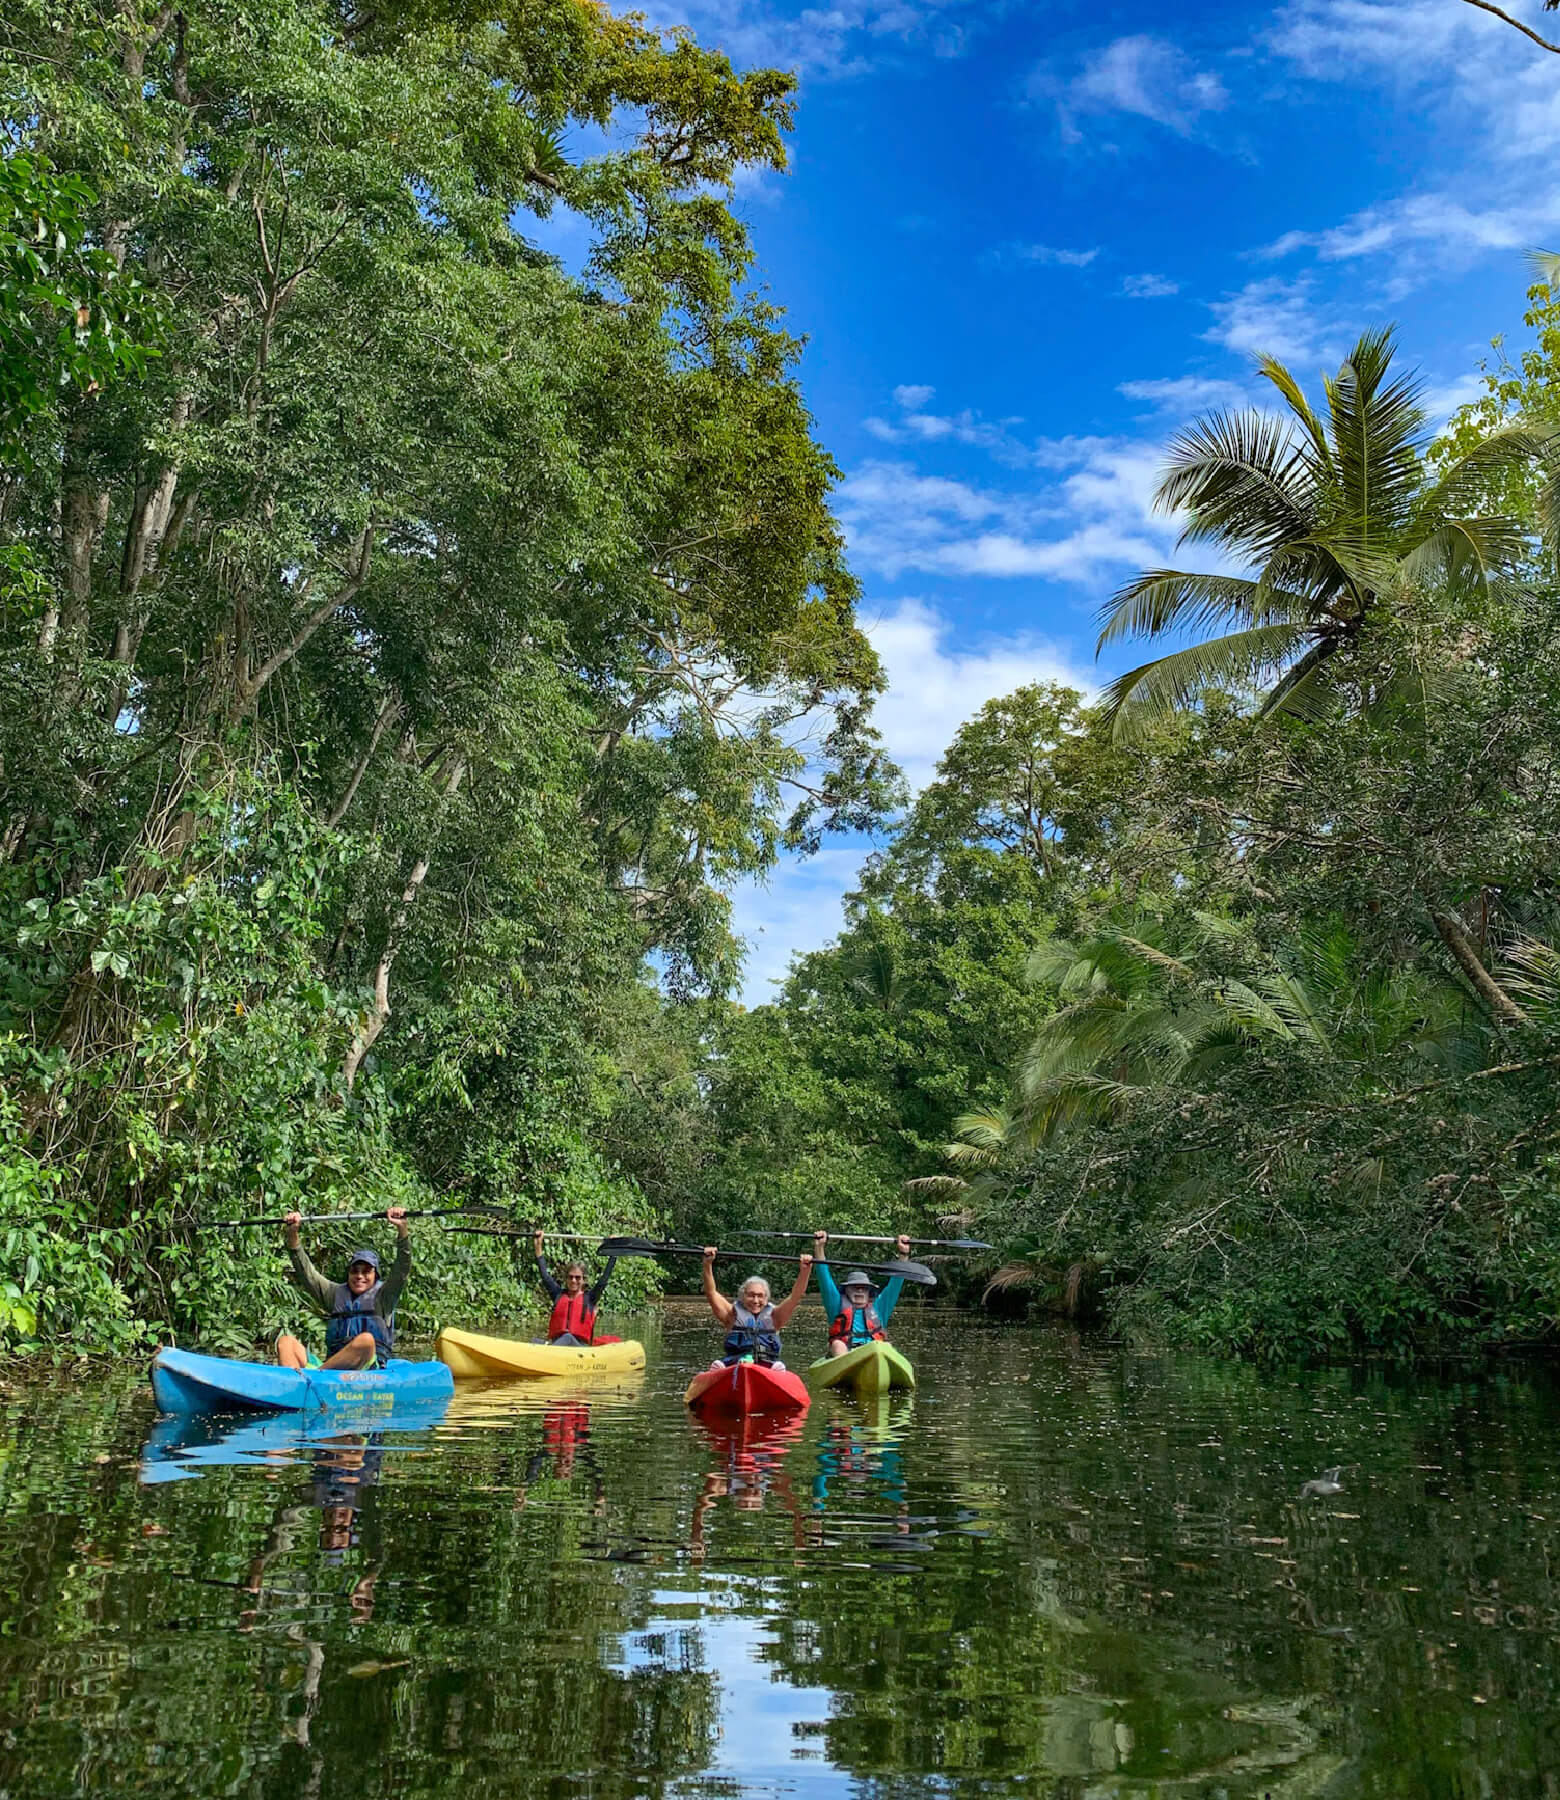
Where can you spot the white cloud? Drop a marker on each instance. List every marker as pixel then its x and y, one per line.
pixel 1049 255
pixel 842 39
pixel 936 682
pixel 1182 395
pixel 1145 76
pixel 1435 219
pixel 917 426
pixel 1095 515
pixel 1149 287
pixel 1271 317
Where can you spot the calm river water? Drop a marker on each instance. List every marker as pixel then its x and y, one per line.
pixel 1059 1570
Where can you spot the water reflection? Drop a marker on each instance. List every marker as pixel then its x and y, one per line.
pixel 1059 1569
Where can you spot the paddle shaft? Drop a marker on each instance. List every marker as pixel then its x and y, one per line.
pixel 908 1271
pixel 856 1237
pixel 438 1212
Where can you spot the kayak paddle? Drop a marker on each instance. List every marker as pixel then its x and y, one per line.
pixel 417 1212
pixel 856 1237
pixel 914 1272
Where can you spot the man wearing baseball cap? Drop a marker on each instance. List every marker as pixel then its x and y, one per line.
pixel 359 1312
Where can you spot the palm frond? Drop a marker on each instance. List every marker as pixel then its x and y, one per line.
pixel 1161 599
pixel 1240 478
pixel 1170 683
pixel 1304 690
pixel 1273 370
pixel 1377 430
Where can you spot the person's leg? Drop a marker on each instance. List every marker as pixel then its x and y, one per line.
pixel 568 1341
pixel 356 1355
pixel 290 1353
pixel 838 1347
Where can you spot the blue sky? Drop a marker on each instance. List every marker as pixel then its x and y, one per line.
pixel 1026 243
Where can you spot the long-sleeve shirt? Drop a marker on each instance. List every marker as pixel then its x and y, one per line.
pixel 882 1303
pixel 321 1294
pixel 592 1294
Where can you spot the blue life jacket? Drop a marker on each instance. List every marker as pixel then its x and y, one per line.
pixel 351 1313
pixel 752 1334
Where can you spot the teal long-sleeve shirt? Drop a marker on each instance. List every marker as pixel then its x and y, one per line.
pixel 883 1303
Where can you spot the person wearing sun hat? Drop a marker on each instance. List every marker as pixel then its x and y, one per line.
pixel 856 1316
pixel 359 1312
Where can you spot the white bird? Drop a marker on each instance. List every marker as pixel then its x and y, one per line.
pixel 1324 1485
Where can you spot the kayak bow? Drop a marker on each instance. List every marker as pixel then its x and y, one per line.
pixel 747 1387
pixel 870 1369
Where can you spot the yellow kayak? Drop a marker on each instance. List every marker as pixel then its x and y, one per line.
pixel 469 1353
pixel 871 1369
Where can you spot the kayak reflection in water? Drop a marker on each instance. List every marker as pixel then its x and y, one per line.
pixel 753 1320
pixel 752 1450
pixel 573 1318
pixel 855 1317
pixel 359 1312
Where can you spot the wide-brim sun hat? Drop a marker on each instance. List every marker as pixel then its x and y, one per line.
pixel 857 1278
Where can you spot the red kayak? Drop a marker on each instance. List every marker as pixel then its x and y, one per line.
pixel 747 1387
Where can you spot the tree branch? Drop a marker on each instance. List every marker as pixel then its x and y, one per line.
pixel 1516 25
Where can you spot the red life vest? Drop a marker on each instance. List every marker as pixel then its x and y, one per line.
pixel 845 1323
pixel 575 1314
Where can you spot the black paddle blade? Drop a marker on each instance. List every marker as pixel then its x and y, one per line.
pixel 916 1273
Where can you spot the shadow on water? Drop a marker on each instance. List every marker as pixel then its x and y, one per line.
pixel 1056 1569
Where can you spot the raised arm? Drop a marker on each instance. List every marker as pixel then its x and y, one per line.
pixel 794 1299
pixel 401 1268
pixel 601 1281
pixel 305 1277
pixel 884 1303
pixel 553 1289
pixel 719 1304
pixel 827 1286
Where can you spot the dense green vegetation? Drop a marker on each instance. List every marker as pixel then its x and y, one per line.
pixel 403 639
pixel 1237 995
pixel 406 643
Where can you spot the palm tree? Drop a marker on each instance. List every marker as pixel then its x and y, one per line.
pixel 1338 517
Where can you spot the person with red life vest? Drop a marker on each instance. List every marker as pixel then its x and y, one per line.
pixel 573 1318
pixel 855 1316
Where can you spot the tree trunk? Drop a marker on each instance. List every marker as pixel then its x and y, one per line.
pixel 379 1012
pixel 1494 996
pixel 387 714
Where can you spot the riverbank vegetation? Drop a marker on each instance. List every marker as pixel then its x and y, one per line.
pixel 1234 996
pixel 407 642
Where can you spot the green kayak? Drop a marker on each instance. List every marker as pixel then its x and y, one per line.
pixel 871 1370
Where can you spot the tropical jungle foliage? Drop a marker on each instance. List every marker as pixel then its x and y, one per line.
pixel 403 637
pixel 1234 997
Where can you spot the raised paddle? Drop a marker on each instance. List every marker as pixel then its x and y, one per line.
pixel 914 1272
pixel 856 1237
pixel 436 1212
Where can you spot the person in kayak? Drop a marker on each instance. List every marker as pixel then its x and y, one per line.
pixel 359 1312
pixel 573 1318
pixel 753 1320
pixel 855 1317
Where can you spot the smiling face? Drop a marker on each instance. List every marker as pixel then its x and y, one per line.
pixel 574 1278
pixel 858 1293
pixel 754 1296
pixel 361 1277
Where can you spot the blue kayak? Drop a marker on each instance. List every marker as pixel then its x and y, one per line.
pixel 184 1382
